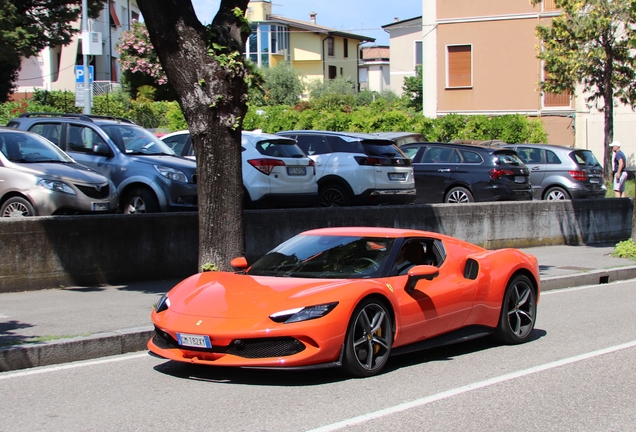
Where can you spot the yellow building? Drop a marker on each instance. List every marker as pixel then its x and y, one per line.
pixel 317 52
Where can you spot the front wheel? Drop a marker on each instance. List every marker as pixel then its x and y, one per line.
pixel 369 339
pixel 17 207
pixel 139 201
pixel 518 312
pixel 459 195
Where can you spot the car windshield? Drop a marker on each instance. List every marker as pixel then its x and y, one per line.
pixel 584 157
pixel 135 140
pixel 330 257
pixel 503 157
pixel 26 148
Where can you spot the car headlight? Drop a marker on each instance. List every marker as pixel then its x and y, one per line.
pixel 171 173
pixel 56 186
pixel 163 304
pixel 303 313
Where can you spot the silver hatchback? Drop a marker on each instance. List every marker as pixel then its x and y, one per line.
pixel 39 179
pixel 560 173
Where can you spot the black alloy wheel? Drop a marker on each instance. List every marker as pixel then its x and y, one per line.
pixel 518 311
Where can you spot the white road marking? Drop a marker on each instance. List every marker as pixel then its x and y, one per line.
pixel 47 369
pixel 467 388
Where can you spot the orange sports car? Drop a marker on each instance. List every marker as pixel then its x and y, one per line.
pixel 349 297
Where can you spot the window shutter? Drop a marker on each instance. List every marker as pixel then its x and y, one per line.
pixel 459 66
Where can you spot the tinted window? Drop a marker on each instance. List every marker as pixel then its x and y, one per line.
pixel 381 148
pixel 346 145
pixel 280 148
pixel 471 157
pixel 440 155
pixel 81 139
pixel 313 144
pixel 552 157
pixel 177 142
pixel 411 152
pixel 507 157
pixel 530 155
pixel 584 157
pixel 50 131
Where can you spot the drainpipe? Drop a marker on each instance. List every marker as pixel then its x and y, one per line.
pixel 324 61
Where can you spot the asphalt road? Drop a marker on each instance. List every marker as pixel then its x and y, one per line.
pixel 578 374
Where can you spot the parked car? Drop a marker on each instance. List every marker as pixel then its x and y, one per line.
pixel 333 297
pixel 560 173
pixel 276 172
pixel 39 179
pixel 462 173
pixel 401 138
pixel 148 175
pixel 356 168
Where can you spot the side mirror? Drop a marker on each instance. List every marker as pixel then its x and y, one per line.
pixel 101 149
pixel 418 273
pixel 239 263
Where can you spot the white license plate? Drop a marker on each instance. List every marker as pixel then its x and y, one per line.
pixel 595 180
pixel 520 179
pixel 197 341
pixel 397 176
pixel 296 171
pixel 101 206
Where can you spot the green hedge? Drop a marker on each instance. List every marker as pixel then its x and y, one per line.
pixel 379 116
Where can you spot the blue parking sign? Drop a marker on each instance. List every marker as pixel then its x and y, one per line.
pixel 79 73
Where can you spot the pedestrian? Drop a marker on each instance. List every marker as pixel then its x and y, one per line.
pixel 620 170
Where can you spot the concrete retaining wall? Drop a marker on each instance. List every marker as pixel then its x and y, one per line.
pixel 49 252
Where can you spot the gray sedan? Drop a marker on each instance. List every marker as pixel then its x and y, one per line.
pixel 39 179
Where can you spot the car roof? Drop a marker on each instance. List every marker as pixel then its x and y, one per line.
pixel 255 133
pixel 356 135
pixel 89 118
pixel 394 135
pixel 455 145
pixel 547 146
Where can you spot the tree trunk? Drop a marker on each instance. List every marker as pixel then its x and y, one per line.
pixel 212 93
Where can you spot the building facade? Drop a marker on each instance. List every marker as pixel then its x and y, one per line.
pixel 406 50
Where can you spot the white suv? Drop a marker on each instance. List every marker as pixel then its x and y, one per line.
pixel 276 172
pixel 357 168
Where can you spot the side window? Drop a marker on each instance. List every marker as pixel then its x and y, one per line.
pixel 50 131
pixel 440 155
pixel 81 139
pixel 177 142
pixel 313 144
pixel 530 155
pixel 471 157
pixel 552 158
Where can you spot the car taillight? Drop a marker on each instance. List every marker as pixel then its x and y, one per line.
pixel 578 175
pixel 313 165
pixel 496 173
pixel 370 160
pixel 265 165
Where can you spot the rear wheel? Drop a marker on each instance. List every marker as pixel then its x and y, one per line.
pixel 333 195
pixel 369 339
pixel 139 201
pixel 17 207
pixel 518 311
pixel 459 195
pixel 557 194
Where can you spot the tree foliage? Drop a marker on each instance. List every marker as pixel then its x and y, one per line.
pixel 589 45
pixel 282 85
pixel 28 26
pixel 413 90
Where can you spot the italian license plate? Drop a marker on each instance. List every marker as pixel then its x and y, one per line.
pixel 397 176
pixel 296 171
pixel 197 341
pixel 595 180
pixel 520 179
pixel 101 206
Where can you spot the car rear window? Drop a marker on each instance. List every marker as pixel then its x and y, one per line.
pixel 507 157
pixel 584 157
pixel 279 148
pixel 381 148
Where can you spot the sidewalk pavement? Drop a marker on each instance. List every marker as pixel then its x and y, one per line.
pixel 39 328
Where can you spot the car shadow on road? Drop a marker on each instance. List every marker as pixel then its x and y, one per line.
pixel 302 378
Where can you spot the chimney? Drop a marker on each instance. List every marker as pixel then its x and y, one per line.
pixel 312 17
pixel 395 19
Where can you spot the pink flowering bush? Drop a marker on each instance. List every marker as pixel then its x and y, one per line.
pixel 137 55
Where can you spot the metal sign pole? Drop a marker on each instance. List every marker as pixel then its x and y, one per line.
pixel 87 80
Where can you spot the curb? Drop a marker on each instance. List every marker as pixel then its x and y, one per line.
pixel 135 339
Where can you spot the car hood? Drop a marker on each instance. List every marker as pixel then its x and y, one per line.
pixel 72 173
pixel 167 160
pixel 231 295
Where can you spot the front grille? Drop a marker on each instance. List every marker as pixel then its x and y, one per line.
pixel 95 192
pixel 267 347
pixel 246 348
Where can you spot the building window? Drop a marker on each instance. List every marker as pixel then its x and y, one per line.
pixel 346 47
pixel 330 47
pixel 459 59
pixel 418 53
pixel 554 100
pixel 332 72
pixel 267 40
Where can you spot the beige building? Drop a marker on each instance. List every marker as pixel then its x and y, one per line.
pixel 54 68
pixel 318 52
pixel 406 50
pixel 374 69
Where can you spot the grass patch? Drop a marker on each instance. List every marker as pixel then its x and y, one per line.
pixel 629 188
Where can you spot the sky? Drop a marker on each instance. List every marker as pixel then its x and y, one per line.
pixel 364 18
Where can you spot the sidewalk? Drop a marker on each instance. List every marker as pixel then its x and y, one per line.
pixel 88 322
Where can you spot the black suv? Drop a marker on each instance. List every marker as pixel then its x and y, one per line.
pixel 459 173
pixel 148 175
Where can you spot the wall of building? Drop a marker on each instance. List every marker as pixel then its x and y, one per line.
pixel 49 252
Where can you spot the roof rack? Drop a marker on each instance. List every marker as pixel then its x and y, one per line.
pixel 84 117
